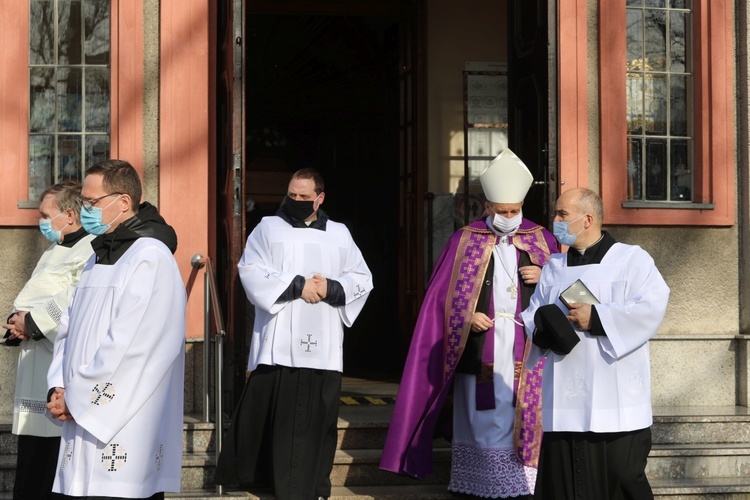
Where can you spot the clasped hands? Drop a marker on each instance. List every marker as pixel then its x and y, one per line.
pixel 57 406
pixel 315 289
pixel 16 325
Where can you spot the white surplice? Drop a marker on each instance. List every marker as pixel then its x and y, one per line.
pixel 483 459
pixel 119 355
pixel 294 333
pixel 604 383
pixel 45 296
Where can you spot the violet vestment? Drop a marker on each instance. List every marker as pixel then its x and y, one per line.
pixel 439 340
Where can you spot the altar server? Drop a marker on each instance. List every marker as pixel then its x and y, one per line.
pixel 597 385
pixel 116 379
pixel 307 280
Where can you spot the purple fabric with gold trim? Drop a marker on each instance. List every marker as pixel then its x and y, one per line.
pixel 438 341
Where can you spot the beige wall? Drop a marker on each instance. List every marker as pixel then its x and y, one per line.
pixel 457 32
pixel 696 357
pixel 21 250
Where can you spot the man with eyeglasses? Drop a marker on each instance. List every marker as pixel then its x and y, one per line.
pixel 33 326
pixel 116 378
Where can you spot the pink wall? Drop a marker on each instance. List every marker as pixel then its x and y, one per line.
pixel 185 130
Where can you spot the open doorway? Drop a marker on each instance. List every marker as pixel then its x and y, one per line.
pixel 322 91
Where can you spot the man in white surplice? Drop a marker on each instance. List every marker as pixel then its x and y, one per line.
pixel 116 378
pixel 596 394
pixel 34 324
pixel 307 279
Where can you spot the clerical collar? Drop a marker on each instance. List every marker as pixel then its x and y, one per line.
pixel 592 247
pixel 593 254
pixel 70 239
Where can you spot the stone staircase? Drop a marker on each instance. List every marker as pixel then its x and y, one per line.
pixel 698 453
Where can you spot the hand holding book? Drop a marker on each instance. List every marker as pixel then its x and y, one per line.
pixel 579 300
pixel 578 293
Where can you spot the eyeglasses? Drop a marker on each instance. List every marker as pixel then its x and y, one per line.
pixel 89 203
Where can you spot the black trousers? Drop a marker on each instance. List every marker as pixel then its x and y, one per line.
pixel 594 466
pixel 284 432
pixel 36 465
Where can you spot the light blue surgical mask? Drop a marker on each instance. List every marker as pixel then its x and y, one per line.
pixel 91 219
pixel 45 226
pixel 562 233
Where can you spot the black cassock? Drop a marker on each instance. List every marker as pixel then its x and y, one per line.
pixel 284 432
pixel 592 465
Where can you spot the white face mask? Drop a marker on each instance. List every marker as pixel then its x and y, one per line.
pixel 505 225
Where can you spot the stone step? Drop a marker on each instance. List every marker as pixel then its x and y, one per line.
pixel 415 492
pixel 198 436
pixel 699 424
pixel 361 468
pixel 695 489
pixel 682 489
pixel 698 461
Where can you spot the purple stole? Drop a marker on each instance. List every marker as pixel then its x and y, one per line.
pixel 469 268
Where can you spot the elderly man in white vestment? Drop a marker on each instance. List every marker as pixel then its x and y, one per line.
pixel 33 326
pixel 596 390
pixel 307 279
pixel 116 378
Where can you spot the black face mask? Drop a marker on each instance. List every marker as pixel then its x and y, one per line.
pixel 299 209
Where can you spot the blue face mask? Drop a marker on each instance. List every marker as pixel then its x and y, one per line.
pixel 91 219
pixel 563 235
pixel 45 226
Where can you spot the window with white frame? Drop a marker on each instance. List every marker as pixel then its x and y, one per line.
pixel 69 94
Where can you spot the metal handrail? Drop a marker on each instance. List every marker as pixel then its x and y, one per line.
pixel 212 305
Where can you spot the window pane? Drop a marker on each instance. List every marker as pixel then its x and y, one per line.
pixel 678 44
pixel 41 32
pixel 655 104
pixel 96 15
pixel 69 90
pixel 682 173
pixel 634 96
pixel 634 41
pixel 41 166
pixel 42 100
pixel 656 3
pixel 678 119
pixel 97 99
pixel 681 4
pixel 69 99
pixel 634 3
pixel 656 169
pixel 69 157
pixel 634 169
pixel 97 149
pixel 656 40
pixel 69 30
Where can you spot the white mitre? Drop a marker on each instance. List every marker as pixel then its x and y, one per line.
pixel 506 179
